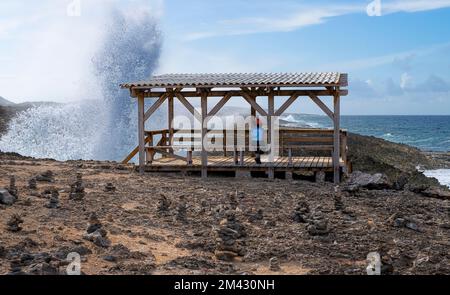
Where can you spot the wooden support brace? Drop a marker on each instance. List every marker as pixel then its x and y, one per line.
pixel 219 105
pixel 286 105
pixel 189 106
pixel 253 103
pixel 321 105
pixel 155 106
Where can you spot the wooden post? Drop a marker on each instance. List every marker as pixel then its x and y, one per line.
pixel 271 112
pixel 141 130
pixel 170 116
pixel 204 105
pixel 336 137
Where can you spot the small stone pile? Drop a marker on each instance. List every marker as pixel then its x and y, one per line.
pixel 318 224
pixel 12 187
pixel 182 211
pixel 14 223
pixel 163 205
pixel 96 233
pixel 32 184
pixel 110 188
pixel 233 200
pixel 47 176
pixel 338 204
pixel 255 215
pixel 274 264
pixel 53 202
pixel 301 213
pixel 229 243
pixel 77 189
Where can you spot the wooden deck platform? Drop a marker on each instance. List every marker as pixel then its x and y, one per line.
pixel 226 164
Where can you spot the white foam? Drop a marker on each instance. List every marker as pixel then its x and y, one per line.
pixel 103 129
pixel 443 175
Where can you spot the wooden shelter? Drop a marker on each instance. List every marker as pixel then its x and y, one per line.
pixel 292 86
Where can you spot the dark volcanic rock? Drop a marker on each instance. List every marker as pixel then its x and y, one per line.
pixel 47 176
pixel 358 180
pixel 32 184
pixel 110 188
pixel 436 192
pixel 6 198
pixel 14 223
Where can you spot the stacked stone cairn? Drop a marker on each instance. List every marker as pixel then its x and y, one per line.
pixel 229 238
pixel 77 189
pixel 96 233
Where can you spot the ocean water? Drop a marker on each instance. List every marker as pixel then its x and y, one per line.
pixel 428 133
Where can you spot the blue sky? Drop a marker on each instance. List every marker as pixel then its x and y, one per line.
pixel 398 63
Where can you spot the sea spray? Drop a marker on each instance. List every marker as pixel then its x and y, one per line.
pixel 60 132
pixel 130 52
pixel 104 129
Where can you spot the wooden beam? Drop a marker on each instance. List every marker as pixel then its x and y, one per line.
pixel 155 106
pixel 204 105
pixel 162 151
pixel 336 136
pixel 253 103
pixel 219 105
pixel 254 93
pixel 188 106
pixel 141 135
pixel 321 105
pixel 286 105
pixel 135 151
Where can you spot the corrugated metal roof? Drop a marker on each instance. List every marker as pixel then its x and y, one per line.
pixel 243 80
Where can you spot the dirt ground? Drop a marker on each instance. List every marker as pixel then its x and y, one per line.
pixel 181 237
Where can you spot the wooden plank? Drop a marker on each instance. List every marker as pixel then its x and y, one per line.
pixel 311 147
pixel 308 139
pixel 321 105
pixel 162 150
pixel 155 106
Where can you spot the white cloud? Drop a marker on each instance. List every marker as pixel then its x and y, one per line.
pixel 285 21
pixel 414 5
pixel 405 80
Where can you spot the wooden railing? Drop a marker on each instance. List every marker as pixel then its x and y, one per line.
pixel 292 141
